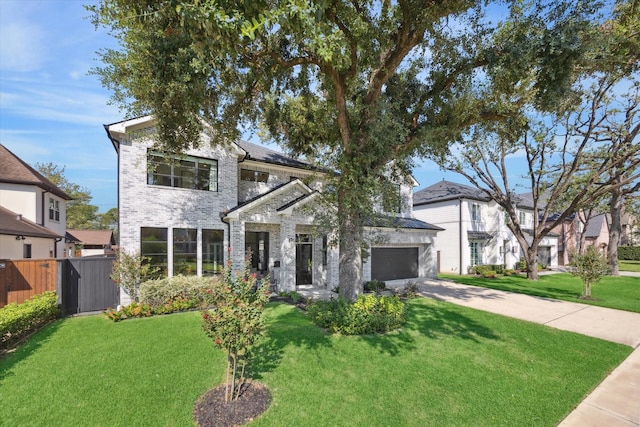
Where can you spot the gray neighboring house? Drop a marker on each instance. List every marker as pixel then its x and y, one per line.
pixel 194 212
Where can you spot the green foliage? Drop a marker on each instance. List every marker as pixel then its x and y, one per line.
pixel 410 290
pixel 370 314
pixel 170 292
pixel 374 286
pixel 232 318
pixel 629 253
pixel 590 267
pixel 489 270
pixel 135 309
pixel 130 270
pixel 80 213
pixel 18 320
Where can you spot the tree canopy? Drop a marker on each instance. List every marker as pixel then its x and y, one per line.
pixel 352 84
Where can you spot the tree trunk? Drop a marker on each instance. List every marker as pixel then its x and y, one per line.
pixel 615 229
pixel 586 293
pixel 532 262
pixel 350 263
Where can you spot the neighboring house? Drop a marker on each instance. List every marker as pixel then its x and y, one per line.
pixel 568 232
pixel 475 228
pixel 597 233
pixel 21 238
pixel 91 242
pixel 27 193
pixel 192 213
pixel 630 235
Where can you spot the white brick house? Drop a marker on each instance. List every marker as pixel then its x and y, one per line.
pixel 219 201
pixel 475 228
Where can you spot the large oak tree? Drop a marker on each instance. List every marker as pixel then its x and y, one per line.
pixel 353 84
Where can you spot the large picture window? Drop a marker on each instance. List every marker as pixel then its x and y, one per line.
pixel 185 251
pixel 212 252
pixel 182 171
pixel 153 244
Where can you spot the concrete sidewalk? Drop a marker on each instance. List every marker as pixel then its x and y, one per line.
pixel 616 401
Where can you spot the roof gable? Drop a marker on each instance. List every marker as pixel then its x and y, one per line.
pixel 14 170
pixel 91 237
pixel 251 203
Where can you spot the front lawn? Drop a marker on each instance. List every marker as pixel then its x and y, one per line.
pixel 629 266
pixel 450 365
pixel 621 292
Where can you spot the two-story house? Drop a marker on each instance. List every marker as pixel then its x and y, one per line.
pixel 191 213
pixel 33 211
pixel 475 228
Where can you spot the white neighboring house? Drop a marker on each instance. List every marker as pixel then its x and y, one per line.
pixel 475 229
pixel 192 213
pixel 29 198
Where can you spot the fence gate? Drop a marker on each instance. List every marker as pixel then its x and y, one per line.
pixel 22 279
pixel 86 285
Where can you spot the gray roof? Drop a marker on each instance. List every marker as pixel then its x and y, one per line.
pixel 479 235
pixel 14 224
pixel 400 222
pixel 446 190
pixel 595 226
pixel 14 170
pixel 263 154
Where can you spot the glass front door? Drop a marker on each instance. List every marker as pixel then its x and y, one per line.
pixel 304 259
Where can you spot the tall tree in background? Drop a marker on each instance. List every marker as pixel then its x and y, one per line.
pixel 568 149
pixel 352 84
pixel 80 213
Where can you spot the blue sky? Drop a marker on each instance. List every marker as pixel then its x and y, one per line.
pixel 51 110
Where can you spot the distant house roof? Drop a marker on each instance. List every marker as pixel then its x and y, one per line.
pixel 594 228
pixel 13 170
pixel 91 237
pixel 446 190
pixel 14 224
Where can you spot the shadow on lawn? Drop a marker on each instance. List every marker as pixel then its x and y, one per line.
pixel 26 348
pixel 517 284
pixel 434 321
pixel 291 327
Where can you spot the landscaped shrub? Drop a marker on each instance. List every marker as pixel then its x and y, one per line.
pixel 130 270
pixel 629 253
pixel 410 290
pixel 374 286
pixel 175 293
pixel 18 320
pixel 370 314
pixel 135 309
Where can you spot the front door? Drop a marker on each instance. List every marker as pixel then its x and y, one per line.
pixel 304 259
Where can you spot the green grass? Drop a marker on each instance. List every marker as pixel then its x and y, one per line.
pixel 620 292
pixel 450 366
pixel 629 266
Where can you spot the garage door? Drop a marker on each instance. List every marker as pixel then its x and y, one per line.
pixel 394 263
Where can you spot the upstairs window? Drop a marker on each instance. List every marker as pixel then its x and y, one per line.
pixel 253 176
pixel 182 171
pixel 476 213
pixel 522 218
pixel 54 209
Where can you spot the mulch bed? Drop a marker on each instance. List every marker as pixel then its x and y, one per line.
pixel 211 409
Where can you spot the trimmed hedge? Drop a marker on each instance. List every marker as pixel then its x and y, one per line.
pixel 629 253
pixel 19 320
pixel 188 290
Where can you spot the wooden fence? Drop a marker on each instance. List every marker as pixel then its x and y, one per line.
pixel 22 279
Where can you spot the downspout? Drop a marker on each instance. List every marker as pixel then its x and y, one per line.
pixel 460 232
pixel 223 219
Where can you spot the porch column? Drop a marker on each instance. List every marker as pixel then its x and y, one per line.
pixel 287 279
pixel 236 241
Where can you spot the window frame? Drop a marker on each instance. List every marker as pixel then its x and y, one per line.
pixel 155 255
pixel 54 209
pixel 185 251
pixel 215 256
pixel 178 169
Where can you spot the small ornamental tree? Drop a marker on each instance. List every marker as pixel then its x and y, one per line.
pixel 129 270
pixel 232 318
pixel 589 266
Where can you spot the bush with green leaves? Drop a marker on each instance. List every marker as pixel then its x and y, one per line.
pixel 374 286
pixel 130 270
pixel 590 267
pixel 175 293
pixel 232 318
pixel 18 320
pixel 135 309
pixel 369 314
pixel 629 253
